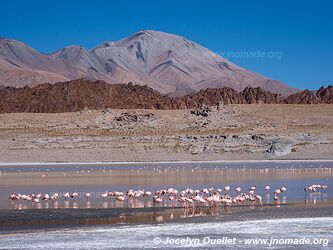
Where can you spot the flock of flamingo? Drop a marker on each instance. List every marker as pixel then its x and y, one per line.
pixel 186 198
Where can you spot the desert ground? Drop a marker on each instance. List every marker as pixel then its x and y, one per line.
pixel 228 132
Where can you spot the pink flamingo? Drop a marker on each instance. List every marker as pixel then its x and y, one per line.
pixel 259 198
pixel 74 195
pixel 120 198
pixel 157 199
pixel 87 196
pixel 105 194
pixel 66 195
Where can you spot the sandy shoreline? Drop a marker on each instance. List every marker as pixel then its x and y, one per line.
pixel 236 132
pixel 147 163
pixel 161 162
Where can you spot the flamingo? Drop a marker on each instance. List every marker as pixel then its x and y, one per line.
pixel 189 201
pixel 66 195
pixel 157 199
pixel 171 199
pixel 209 199
pixel 227 202
pixel 104 195
pixel 202 200
pixel 87 195
pixel 226 189
pixel 205 191
pixel 13 196
pixel 277 191
pixel 46 197
pixel 24 197
pixel 120 198
pixel 137 194
pixel 251 198
pixel 130 193
pixel 55 196
pixel 74 195
pixel 196 198
pixel 188 197
pixel 182 200
pixel 116 193
pixel 170 191
pixel 35 200
pixel 147 194
pixel 259 198
pixel 276 197
pixel 313 188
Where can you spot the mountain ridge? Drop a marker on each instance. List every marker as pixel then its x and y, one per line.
pixel 169 63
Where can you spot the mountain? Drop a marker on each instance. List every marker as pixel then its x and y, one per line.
pixel 80 94
pixel 21 65
pixel 168 63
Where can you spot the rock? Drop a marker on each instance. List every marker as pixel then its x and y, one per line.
pixel 194 150
pixel 128 117
pixel 202 111
pixel 107 111
pixel 219 106
pixel 326 94
pixel 280 149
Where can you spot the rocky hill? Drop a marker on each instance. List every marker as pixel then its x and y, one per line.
pixel 85 94
pixel 323 95
pixel 78 95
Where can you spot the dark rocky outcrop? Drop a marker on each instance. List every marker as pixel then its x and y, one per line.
pixel 202 111
pixel 323 95
pixel 258 95
pixel 128 117
pixel 78 95
pixel 304 97
pixel 326 94
pixel 85 94
pixel 212 96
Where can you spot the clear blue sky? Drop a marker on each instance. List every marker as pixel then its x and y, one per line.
pixel 300 33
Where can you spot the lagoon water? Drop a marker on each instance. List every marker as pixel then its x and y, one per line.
pixel 160 232
pixel 28 179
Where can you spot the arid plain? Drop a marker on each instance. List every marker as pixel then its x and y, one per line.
pixel 228 132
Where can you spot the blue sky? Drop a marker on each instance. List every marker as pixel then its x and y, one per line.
pixel 291 41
